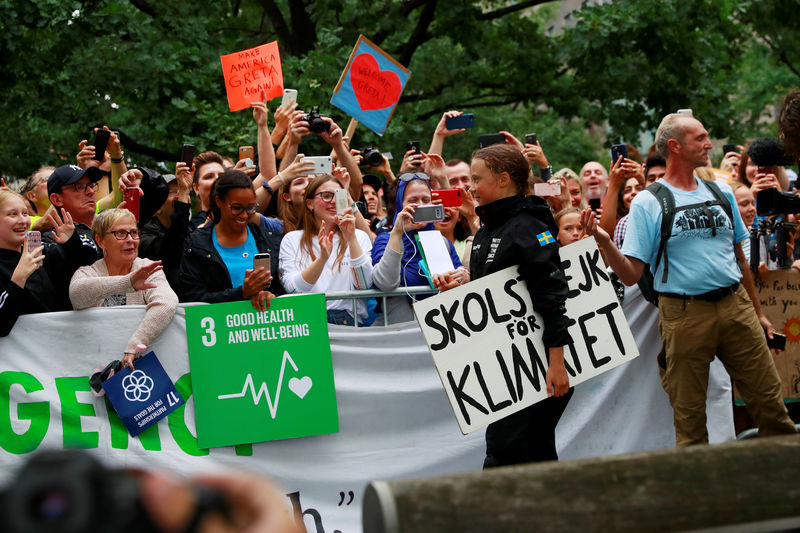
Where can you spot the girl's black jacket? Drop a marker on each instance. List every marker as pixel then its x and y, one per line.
pixel 520 230
pixel 203 275
pixel 41 293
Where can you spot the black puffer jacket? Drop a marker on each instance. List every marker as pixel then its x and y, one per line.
pixel 44 289
pixel 509 236
pixel 203 275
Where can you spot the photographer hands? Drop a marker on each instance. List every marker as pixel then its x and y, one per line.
pixel 253 504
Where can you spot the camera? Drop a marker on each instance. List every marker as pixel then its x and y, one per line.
pixel 315 122
pixel 69 491
pixel 775 232
pixel 371 156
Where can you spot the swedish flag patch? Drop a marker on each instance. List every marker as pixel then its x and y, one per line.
pixel 545 238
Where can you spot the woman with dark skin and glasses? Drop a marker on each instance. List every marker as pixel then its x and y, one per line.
pixel 217 263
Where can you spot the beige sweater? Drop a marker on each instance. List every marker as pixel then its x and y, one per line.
pixel 91 285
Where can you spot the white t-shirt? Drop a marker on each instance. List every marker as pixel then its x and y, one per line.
pixel 351 274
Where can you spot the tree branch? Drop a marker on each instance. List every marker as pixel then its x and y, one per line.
pixel 278 23
pixel 420 33
pixel 144 7
pixel 781 55
pixel 496 14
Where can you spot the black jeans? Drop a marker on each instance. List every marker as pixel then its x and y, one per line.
pixel 527 436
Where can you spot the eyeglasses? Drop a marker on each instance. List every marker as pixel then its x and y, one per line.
pixel 408 176
pixel 327 196
pixel 80 188
pixel 122 234
pixel 237 209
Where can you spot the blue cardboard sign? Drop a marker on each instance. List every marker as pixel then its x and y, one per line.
pixel 370 85
pixel 142 396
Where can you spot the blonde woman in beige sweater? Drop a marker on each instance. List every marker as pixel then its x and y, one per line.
pixel 123 278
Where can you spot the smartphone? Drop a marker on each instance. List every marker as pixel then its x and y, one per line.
pixel 341 201
pixel 594 203
pixel 131 201
pixel 530 138
pixel 289 96
pixel 246 152
pixel 101 138
pixel 34 240
pixel 428 213
pixel 489 139
pixel 323 164
pixel 413 145
pixel 450 197
pixel 262 261
pixel 617 151
pixel 728 148
pixel 778 341
pixel 685 112
pixel 187 154
pixel 465 120
pixel 547 189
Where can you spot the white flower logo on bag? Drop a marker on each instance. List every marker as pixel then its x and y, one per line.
pixel 137 386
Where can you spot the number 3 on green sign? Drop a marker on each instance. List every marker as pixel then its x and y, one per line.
pixel 210 338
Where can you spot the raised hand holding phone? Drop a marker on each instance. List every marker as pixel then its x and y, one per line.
pixel 29 262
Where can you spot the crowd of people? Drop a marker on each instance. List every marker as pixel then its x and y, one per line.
pixel 100 251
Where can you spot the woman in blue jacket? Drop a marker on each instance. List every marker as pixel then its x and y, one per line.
pixel 395 255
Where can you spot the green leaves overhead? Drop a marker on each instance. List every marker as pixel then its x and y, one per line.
pixel 151 70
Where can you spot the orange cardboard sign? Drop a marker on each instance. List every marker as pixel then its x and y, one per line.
pixel 250 72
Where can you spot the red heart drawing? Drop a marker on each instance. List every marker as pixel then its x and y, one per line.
pixel 374 88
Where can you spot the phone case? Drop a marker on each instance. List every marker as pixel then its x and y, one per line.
pixel 428 213
pixel 450 197
pixel 131 201
pixel 490 139
pixel 467 120
pixel 187 154
pixel 341 201
pixel 322 164
pixel 101 138
pixel 34 240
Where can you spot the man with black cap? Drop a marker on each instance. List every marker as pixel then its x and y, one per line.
pixel 372 189
pixel 73 188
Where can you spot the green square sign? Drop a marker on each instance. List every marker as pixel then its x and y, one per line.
pixel 261 376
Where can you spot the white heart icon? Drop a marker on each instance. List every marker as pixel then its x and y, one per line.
pixel 300 386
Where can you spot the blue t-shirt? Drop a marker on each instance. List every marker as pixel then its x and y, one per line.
pixel 272 224
pixel 698 262
pixel 238 259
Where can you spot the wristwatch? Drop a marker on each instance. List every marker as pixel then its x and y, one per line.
pixel 266 186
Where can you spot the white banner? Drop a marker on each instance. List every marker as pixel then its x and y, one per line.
pixel 395 421
pixel 486 339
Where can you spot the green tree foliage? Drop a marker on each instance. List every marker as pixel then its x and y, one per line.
pixel 151 70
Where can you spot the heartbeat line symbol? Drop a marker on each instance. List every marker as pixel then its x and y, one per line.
pixel 264 390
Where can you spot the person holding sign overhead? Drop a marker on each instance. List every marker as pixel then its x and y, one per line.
pixel 520 230
pixel 217 263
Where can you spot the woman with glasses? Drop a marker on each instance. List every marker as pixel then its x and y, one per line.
pixel 217 264
pixel 123 278
pixel 395 253
pixel 329 253
pixel 30 271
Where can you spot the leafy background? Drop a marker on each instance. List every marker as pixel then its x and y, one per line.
pixel 151 70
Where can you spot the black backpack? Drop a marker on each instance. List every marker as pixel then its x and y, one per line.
pixel 667 202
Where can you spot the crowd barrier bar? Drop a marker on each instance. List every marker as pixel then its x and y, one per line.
pixel 413 292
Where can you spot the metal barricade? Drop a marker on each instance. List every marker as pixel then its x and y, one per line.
pixel 374 293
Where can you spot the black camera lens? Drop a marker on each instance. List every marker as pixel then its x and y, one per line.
pixel 372 157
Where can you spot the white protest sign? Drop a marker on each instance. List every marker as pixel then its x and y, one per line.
pixel 486 339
